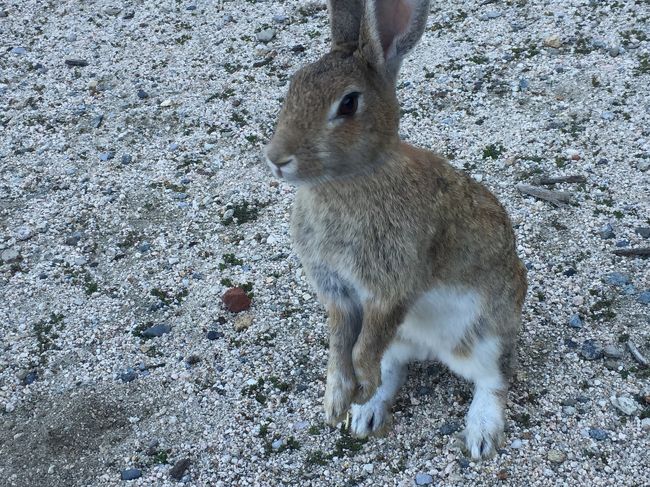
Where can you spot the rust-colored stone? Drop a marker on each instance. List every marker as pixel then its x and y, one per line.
pixel 236 300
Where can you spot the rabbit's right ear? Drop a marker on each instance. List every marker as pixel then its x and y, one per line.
pixel 389 30
pixel 345 22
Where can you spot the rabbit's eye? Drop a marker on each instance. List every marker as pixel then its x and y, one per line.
pixel 348 105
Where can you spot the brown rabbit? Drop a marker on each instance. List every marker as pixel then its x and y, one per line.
pixel 412 259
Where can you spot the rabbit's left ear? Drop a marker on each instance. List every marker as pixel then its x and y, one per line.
pixel 389 30
pixel 345 21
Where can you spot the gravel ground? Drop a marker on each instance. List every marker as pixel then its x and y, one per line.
pixel 132 197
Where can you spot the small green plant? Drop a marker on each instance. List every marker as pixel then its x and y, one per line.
pixel 161 457
pixel 168 299
pixel 347 445
pixel 90 286
pixel 493 151
pixel 46 331
pixel 229 260
pixel 644 65
pixel 278 384
pixel 317 457
pixel 248 289
pixel 242 212
pixel 602 310
pixel 479 59
pixel 223 95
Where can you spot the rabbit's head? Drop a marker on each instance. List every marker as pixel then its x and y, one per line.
pixel 341 115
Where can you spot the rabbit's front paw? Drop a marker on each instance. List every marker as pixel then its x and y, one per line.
pixel 372 417
pixel 368 374
pixel 480 439
pixel 339 392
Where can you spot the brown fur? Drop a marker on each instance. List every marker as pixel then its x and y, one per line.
pixel 377 222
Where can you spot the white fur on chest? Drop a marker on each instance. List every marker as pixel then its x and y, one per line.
pixel 437 324
pixel 438 321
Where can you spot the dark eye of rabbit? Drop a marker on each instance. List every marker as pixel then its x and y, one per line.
pixel 348 105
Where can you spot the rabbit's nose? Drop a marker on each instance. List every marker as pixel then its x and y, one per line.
pixel 277 158
pixel 285 162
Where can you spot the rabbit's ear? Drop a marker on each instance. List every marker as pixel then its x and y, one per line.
pixel 345 21
pixel 389 30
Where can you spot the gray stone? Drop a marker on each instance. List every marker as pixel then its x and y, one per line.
pixel 423 479
pixel 608 116
pixel 128 376
pixel 624 404
pixel 144 247
pixel 516 444
pixel 629 289
pixel 277 444
pixel 645 424
pixel 19 51
pixel 591 351
pixel 97 120
pixel 29 377
pixel 106 156
pixel 152 447
pixel 569 410
pixel 517 26
pixel 280 18
pixel 112 10
pixel 553 41
pixel 10 255
pixel 127 159
pixel 644 297
pixel 301 425
pixel 143 95
pixel 598 434
pixel 643 231
pixel 131 474
pixel 606 231
pixel 449 428
pixel 614 51
pixel 79 63
pixel 556 456
pixel 617 279
pixel 575 321
pixel 266 35
pixel 73 239
pixel 612 351
pixel 24 233
pixel 179 468
pixel 156 331
pixel 213 335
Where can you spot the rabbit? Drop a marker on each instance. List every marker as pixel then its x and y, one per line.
pixel 412 259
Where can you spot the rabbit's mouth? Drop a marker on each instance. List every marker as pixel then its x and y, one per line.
pixel 282 167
